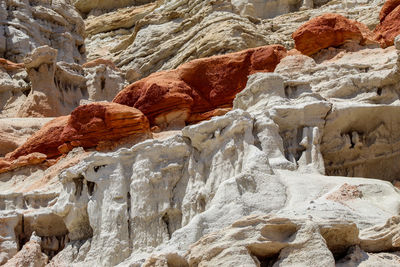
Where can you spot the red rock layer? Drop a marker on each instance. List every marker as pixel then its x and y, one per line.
pixel 10 66
pixel 199 89
pixel 329 30
pixel 389 26
pixel 387 8
pixel 87 126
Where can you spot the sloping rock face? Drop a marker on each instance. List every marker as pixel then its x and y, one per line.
pixel 86 6
pixel 174 32
pixel 31 23
pixel 14 132
pixel 88 126
pixel 388 27
pixel 197 90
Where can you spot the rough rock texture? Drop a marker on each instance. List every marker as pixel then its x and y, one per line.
pixel 256 186
pixel 328 30
pixel 14 132
pixel 30 255
pixel 179 31
pixel 198 89
pixel 14 87
pixel 28 24
pixel 92 125
pixel 103 80
pixel 57 88
pixel 388 27
pixel 85 6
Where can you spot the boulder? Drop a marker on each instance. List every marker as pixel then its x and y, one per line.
pixel 329 30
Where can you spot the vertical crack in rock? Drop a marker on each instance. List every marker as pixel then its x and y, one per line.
pixel 128 202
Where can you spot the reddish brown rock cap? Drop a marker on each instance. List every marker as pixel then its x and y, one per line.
pixel 199 89
pixel 326 31
pixel 389 26
pixel 87 126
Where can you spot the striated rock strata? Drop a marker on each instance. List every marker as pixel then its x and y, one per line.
pixel 198 89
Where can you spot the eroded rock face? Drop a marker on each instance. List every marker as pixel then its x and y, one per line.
pixel 14 132
pixel 199 89
pixel 85 6
pixel 88 126
pixel 31 24
pixel 328 30
pixel 388 28
pixel 14 87
pixel 30 255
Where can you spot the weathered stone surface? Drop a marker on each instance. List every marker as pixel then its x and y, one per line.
pixel 103 80
pixel 31 24
pixel 13 87
pixel 88 126
pixel 30 255
pixel 388 28
pixel 179 31
pixel 195 90
pixel 328 30
pixel 387 8
pixel 85 6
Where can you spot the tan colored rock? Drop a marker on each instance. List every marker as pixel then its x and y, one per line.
pixel 30 255
pixel 85 6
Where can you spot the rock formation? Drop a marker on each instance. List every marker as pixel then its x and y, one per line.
pixel 261 157
pixel 388 27
pixel 328 30
pixel 29 24
pixel 198 89
pixel 92 125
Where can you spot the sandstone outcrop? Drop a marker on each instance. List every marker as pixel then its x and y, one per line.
pixel 389 26
pixel 199 89
pixel 30 24
pixel 14 87
pixel 262 167
pixel 57 88
pixel 86 6
pixel 30 255
pixel 179 31
pixel 88 126
pixel 14 132
pixel 328 30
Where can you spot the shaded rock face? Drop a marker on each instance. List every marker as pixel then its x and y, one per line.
pixel 388 28
pixel 14 87
pixel 143 40
pixel 31 24
pixel 57 88
pixel 197 90
pixel 86 6
pixel 88 126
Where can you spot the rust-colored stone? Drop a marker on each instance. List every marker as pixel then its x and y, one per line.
pixel 387 8
pixel 191 92
pixel 389 27
pixel 87 126
pixel 10 66
pixel 329 30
